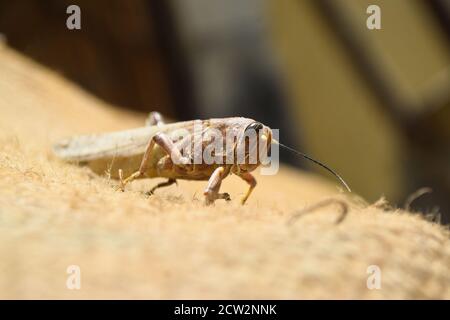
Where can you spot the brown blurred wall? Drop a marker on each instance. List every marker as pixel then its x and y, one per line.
pixel 344 115
pixel 117 54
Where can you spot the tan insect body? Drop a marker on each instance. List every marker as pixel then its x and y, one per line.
pixel 151 151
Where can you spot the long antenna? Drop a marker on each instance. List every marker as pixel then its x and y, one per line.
pixel 316 162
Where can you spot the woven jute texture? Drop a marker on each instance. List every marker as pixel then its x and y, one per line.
pixel 127 245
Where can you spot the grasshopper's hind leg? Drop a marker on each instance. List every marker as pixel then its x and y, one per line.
pixel 167 183
pixel 154 119
pixel 212 189
pixel 167 145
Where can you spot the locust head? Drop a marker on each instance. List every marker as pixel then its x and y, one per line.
pixel 252 147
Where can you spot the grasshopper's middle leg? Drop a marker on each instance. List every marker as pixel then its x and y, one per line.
pixel 164 142
pixel 212 189
pixel 169 182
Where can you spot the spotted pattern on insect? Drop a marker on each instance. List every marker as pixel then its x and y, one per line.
pixel 153 151
pixel 158 150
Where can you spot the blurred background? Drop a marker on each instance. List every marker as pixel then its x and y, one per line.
pixel 373 104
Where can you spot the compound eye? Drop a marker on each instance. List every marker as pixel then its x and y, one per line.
pixel 255 126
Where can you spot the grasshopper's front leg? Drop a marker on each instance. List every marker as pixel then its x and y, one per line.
pixel 212 189
pixel 164 142
pixel 250 179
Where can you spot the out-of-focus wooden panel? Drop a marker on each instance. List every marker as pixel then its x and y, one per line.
pixel 410 44
pixel 340 117
pixel 116 55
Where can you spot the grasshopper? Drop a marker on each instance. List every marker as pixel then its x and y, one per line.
pixel 156 150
